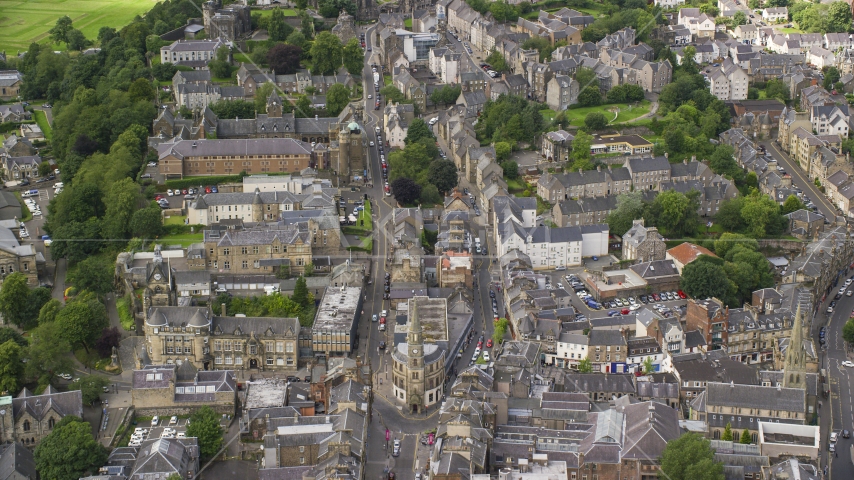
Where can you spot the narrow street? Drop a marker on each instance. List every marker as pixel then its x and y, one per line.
pixel 799 178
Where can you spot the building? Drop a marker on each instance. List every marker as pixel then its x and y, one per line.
pixel 334 330
pixel 396 120
pixel 263 249
pixel 229 157
pixel 805 223
pixel 418 368
pixel 10 84
pixel 728 81
pixel 643 244
pixel 227 23
pixel 454 269
pixel 163 457
pixel 557 145
pixel 571 349
pixel 17 168
pixel 561 92
pixel 191 53
pixel 29 418
pixel 830 120
pixel 686 253
pixel 17 462
pixel 711 318
pixel 13 113
pixel 549 247
pixel 775 14
pixel 647 173
pixel 15 257
pixel 607 350
pixel 171 388
pixel 625 144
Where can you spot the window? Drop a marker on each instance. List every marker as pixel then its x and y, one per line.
pixel 289 347
pixel 26 425
pixel 218 346
pixel 280 347
pixel 269 346
pixel 301 460
pixel 218 360
pixel 301 449
pixel 270 361
pixel 226 265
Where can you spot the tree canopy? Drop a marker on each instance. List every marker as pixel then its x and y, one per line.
pixel 204 425
pixel 690 457
pixel 69 452
pixel 405 190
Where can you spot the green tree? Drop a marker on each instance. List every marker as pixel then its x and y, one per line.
pixel 581 147
pixel 11 367
pixel 14 298
pixel 831 76
pixel 595 121
pixel 261 95
pixel 77 41
pixel 301 295
pixel 629 208
pixel 121 201
pixel 502 151
pixel 141 89
pixel 277 28
pixel 497 61
pixel 729 241
pixel 775 88
pixel 95 275
pixel 723 161
pixel 761 215
pixel 204 425
pixel 584 366
pixel 59 32
pixel 746 439
pixel 740 18
pixel 418 129
pixel 69 451
pixel 297 38
pixel 337 97
pixel 848 331
pixel 354 57
pixel 91 386
pixel 705 280
pixel 675 213
pixel 233 109
pixel 690 457
pixel 586 77
pixel 648 367
pixel 82 321
pixel 590 97
pixel 48 312
pixel 446 95
pixel 443 174
pixel 727 436
pixel 792 204
pixel 838 18
pixel 503 12
pixel 326 54
pixel 147 223
pixel 405 190
pixel 9 333
pixel 301 4
pixel 394 95
pixel 511 169
pixel 729 214
pixel 306 24
pixel 47 354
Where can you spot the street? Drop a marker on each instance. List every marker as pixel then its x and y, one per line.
pixel 799 179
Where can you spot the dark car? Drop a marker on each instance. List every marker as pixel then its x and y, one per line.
pixel 382 345
pixel 492 294
pixel 846 434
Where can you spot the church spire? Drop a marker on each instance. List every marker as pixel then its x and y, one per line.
pixel 795 367
pixel 414 337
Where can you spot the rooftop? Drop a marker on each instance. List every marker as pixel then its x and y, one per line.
pixel 337 309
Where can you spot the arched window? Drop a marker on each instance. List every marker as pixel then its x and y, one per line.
pixel 26 425
pixel 717 434
pixel 50 423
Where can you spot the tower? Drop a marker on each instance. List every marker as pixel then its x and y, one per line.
pixel 795 367
pixel 257 207
pixel 415 345
pixel 274 105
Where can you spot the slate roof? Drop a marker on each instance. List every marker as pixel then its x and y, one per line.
pixel 756 396
pixel 656 268
pixel 234 147
pixel 63 403
pixel 16 460
pixel 599 382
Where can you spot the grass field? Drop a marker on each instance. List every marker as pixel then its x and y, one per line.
pixel 576 115
pixel 41 119
pixel 289 12
pixel 184 239
pixel 23 22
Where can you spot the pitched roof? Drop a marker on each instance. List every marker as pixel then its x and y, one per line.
pixel 687 252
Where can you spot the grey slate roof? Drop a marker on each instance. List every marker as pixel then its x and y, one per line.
pixel 599 382
pixel 756 396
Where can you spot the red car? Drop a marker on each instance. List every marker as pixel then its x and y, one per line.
pixel 489 343
pixel 624 311
pixel 158 197
pixel 382 320
pixel 682 294
pixel 207 189
pixel 480 344
pixel 185 191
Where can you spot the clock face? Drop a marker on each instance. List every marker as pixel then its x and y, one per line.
pixel 414 350
pixel 157 276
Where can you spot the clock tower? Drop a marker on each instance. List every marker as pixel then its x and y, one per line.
pixel 415 349
pixel 158 289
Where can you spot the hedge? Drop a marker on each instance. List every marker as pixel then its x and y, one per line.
pixel 196 181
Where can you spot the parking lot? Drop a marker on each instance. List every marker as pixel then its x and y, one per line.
pixel 165 428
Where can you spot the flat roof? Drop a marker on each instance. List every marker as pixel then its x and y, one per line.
pixel 265 393
pixel 433 315
pixel 337 309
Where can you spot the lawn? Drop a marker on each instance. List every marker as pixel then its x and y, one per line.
pixel 791 30
pixel 627 112
pixel 41 119
pixel 407 23
pixel 515 186
pixel 184 239
pixel 175 220
pixel 238 58
pixel 23 22
pixel 125 315
pixel 548 114
pixel 289 12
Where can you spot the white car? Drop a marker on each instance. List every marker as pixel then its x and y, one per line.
pixel 173 420
pixel 170 193
pixel 370 96
pixel 65 376
pixel 155 420
pixel 848 363
pixel 384 313
pixel 152 164
pixel 634 307
pixel 182 435
pixel 486 356
pixel 371 144
pixel 24 234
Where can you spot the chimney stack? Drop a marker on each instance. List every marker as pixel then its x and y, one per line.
pixel 223 310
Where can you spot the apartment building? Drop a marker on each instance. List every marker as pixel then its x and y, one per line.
pixel 728 82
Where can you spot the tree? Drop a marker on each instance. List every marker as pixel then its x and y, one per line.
pixel 306 24
pixel 91 387
pixel 11 367
pixel 297 38
pixel 261 95
pixel 648 367
pixel 775 88
pixel 303 107
pixel 511 169
pixel 792 204
pixel 284 59
pixel 94 274
pixel 690 457
pixel 584 366
pixel 502 151
pixel 838 18
pixel 14 297
pixel 301 295
pixel 443 174
pixel 82 321
pixel 418 129
pixel 446 95
pixel 337 97
pixel 496 59
pixel 729 214
pixel 277 28
pixel 848 331
pixel 393 95
pixel 204 425
pixel 48 312
pixel 723 161
pixel 740 18
pixel 674 213
pixel 405 190
pixel 727 436
pixel 590 96
pixel 69 451
pixel 831 76
pixel 746 439
pixel 326 54
pixel 629 208
pixel 595 121
pixel 503 12
pixel 147 223
pixel 77 41
pixel 141 89
pixel 586 77
pixel 59 32
pixel 47 354
pixel 9 333
pixel 233 109
pixel 761 215
pixel 354 57
pixel 109 338
pixel 581 147
pixel 702 279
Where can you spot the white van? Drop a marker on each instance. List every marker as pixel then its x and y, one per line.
pixel 271 289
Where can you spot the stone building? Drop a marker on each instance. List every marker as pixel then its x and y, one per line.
pixel 10 84
pixel 228 22
pixel 29 418
pixel 174 389
pixel 643 244
pixel 418 369
pixel 176 334
pixel 345 29
pixel 455 269
pixel 263 249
